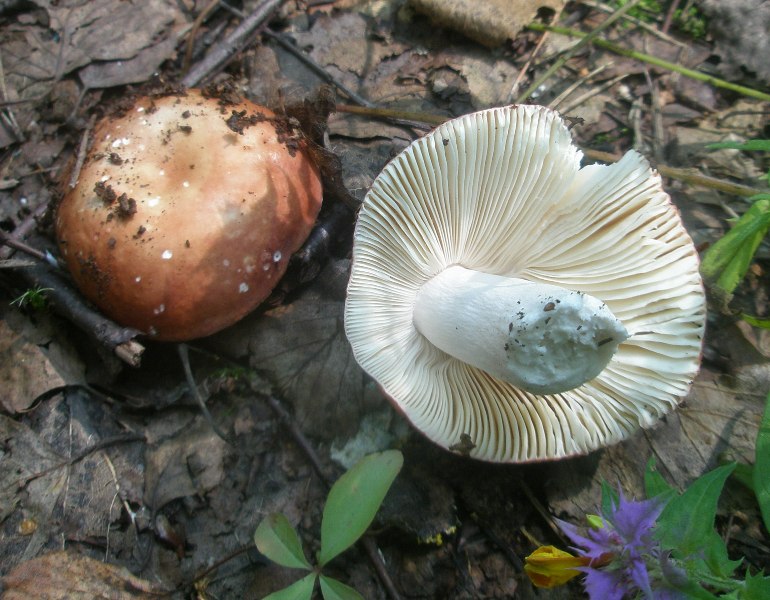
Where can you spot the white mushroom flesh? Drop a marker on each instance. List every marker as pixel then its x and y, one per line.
pixel 539 337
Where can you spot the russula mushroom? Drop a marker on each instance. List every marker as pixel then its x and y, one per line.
pixel 515 305
pixel 186 212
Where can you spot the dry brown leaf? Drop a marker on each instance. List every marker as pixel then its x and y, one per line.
pixel 490 23
pixel 25 371
pixel 66 575
pixel 191 462
pixel 304 350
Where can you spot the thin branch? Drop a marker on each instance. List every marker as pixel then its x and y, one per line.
pixel 70 304
pixel 125 438
pixel 663 35
pixel 222 52
pixel 681 174
pixel 654 60
pixel 586 39
pixel 316 68
pixel 184 356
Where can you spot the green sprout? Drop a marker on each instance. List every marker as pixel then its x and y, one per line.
pixel 353 501
pixel 725 264
pixel 691 21
pixel 35 298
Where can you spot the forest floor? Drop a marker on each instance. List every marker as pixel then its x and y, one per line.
pixel 117 463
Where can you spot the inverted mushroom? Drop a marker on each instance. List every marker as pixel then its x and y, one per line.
pixel 507 299
pixel 186 213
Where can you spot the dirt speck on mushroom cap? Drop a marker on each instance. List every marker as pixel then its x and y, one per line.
pixel 212 208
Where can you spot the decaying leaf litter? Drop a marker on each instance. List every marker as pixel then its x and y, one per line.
pixel 118 465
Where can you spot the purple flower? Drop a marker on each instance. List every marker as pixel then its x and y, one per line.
pixel 622 551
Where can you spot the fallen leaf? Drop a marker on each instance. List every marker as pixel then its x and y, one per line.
pixel 303 349
pixel 25 371
pixel 189 463
pixel 66 575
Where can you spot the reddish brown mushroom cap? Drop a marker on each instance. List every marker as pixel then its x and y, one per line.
pixel 181 223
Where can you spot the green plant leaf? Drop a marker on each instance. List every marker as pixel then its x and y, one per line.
pixel 609 499
pixel 354 500
pixel 686 525
pixel 761 322
pixel 762 465
pixel 750 145
pixel 757 587
pixel 726 262
pixel 299 590
pixel 277 539
pixel 654 483
pixel 744 474
pixel 336 590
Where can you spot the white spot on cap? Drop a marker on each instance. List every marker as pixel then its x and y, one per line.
pixel 161 172
pixel 138 278
pixel 277 256
pixel 159 309
pixel 105 178
pixel 186 184
pixel 226 262
pixel 166 254
pixel 243 288
pixel 153 201
pixel 140 109
pixel 121 142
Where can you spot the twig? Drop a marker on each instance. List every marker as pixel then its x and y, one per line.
pixel 125 438
pixel 522 73
pixel 575 85
pixel 222 52
pixel 24 228
pixel 68 303
pixel 592 92
pixel 7 113
pixel 587 38
pixel 655 61
pixel 681 174
pixel 686 175
pixel 82 152
pixel 204 14
pixel 663 35
pixel 184 356
pixel 316 68
pixel 670 16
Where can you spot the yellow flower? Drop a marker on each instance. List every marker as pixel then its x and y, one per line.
pixel 549 566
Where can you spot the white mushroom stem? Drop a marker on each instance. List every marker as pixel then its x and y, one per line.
pixel 541 338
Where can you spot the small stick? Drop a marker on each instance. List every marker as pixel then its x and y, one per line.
pixel 184 356
pixel 575 85
pixel 681 174
pixel 125 438
pixel 222 52
pixel 535 51
pixel 655 61
pixel 316 68
pixel 593 92
pixel 24 228
pixel 586 39
pixel 70 304
pixel 82 152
